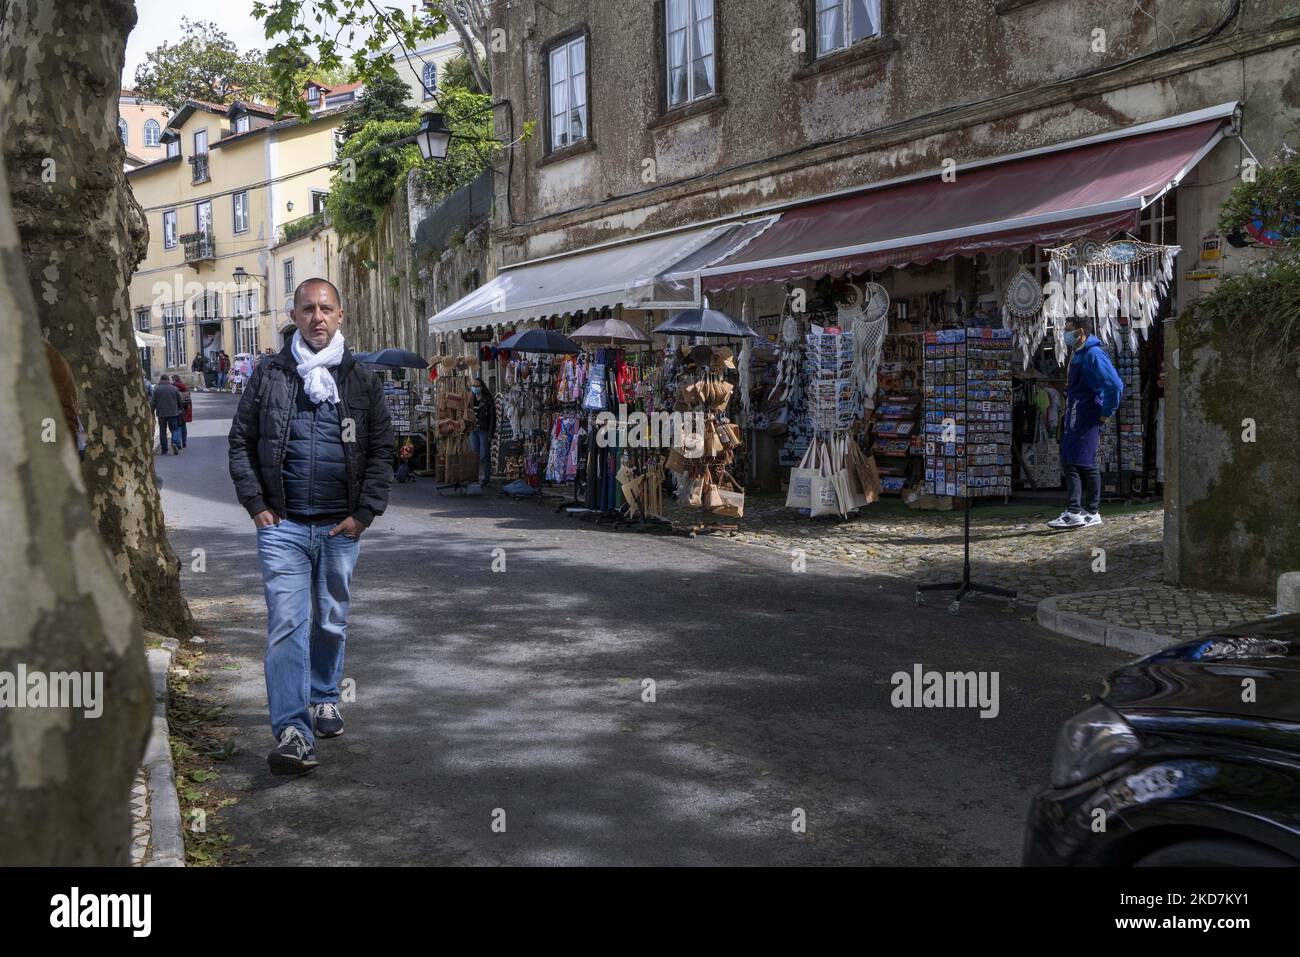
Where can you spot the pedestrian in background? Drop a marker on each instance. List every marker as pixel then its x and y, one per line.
pixel 223 369
pixel 1092 395
pixel 485 419
pixel 166 404
pixel 187 409
pixel 200 367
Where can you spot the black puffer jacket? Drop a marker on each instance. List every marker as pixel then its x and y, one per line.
pixel 259 437
pixel 315 464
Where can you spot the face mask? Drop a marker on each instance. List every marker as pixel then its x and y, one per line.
pixel 1071 337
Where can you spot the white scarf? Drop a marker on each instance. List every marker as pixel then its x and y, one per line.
pixel 313 367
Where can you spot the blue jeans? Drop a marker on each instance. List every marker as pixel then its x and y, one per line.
pixel 170 424
pixel 481 443
pixel 305 574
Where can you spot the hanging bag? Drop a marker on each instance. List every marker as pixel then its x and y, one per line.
pixel 731 496
pixel 825 496
pixel 801 478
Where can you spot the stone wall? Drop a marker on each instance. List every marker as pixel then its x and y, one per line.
pixel 376 275
pixel 1237 515
pixel 391 284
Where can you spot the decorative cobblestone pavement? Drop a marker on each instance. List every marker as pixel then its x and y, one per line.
pixel 139 819
pixel 1180 613
pixel 1011 545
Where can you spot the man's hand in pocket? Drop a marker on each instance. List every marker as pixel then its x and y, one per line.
pixel 266 517
pixel 349 527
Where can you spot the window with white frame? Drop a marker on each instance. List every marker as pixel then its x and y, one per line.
pixel 173 147
pixel 692 65
pixel 242 123
pixel 841 23
pixel 174 334
pixel 429 79
pixel 244 310
pixel 288 277
pixel 142 320
pixel 152 131
pixel 169 229
pixel 318 200
pixel 200 142
pixel 240 201
pixel 121 130
pixel 313 94
pixel 568 79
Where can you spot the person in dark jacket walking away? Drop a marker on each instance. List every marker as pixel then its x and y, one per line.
pixel 1092 395
pixel 485 420
pixel 187 409
pixel 311 456
pixel 166 404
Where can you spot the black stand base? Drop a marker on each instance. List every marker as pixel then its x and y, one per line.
pixel 454 486
pixel 965 586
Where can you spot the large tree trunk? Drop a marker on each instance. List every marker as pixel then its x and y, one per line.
pixel 65 778
pixel 82 236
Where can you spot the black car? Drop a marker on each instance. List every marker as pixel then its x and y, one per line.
pixel 1189 757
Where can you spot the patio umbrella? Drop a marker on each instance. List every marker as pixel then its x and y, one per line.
pixel 393 358
pixel 540 340
pixel 705 322
pixel 610 331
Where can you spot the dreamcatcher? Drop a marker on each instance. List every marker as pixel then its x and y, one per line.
pixel 789 353
pixel 746 354
pixel 1022 308
pixel 865 316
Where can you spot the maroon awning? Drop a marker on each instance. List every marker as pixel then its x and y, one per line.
pixel 1046 198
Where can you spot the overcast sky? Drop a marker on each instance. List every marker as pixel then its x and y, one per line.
pixel 160 22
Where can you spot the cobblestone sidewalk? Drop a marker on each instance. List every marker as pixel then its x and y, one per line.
pixel 1011 546
pixel 1179 613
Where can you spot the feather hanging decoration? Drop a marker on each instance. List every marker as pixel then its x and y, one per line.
pixel 789 354
pixel 746 354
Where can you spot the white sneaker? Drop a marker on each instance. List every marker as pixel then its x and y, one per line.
pixel 1093 519
pixel 1068 520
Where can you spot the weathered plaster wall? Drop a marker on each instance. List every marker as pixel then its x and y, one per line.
pixel 951 79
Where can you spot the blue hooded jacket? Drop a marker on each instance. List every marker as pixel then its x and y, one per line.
pixel 1094 390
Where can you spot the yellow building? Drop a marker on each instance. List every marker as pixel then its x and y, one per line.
pixel 140 125
pixel 237 201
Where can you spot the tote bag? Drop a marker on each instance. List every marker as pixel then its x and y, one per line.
pixel 801 477
pixel 825 494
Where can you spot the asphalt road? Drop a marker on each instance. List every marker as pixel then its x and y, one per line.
pixel 521 691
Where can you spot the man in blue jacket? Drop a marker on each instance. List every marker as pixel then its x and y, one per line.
pixel 1092 395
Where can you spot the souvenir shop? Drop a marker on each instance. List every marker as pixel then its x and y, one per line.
pixel 905 339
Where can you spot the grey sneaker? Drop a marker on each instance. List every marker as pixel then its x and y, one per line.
pixel 1092 519
pixel 293 755
pixel 1068 520
pixel 329 723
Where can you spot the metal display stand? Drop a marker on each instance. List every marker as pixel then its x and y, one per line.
pixel 965 586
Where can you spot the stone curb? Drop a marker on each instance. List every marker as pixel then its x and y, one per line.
pixel 1097 631
pixel 166 837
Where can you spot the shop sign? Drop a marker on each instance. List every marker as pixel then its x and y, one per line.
pixel 1211 247
pixel 477 335
pixel 1202 274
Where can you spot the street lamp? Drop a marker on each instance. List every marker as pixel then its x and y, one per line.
pixel 242 276
pixel 434 136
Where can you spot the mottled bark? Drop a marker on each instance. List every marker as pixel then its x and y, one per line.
pixel 82 236
pixel 65 778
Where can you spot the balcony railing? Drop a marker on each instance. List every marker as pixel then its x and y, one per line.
pixel 199 164
pixel 199 247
